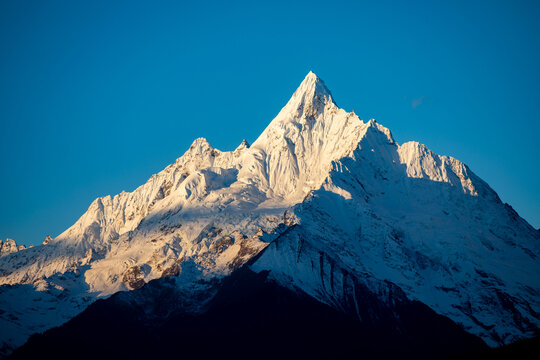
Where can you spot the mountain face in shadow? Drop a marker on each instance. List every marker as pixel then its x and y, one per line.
pixel 249 317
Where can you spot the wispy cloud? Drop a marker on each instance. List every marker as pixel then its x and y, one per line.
pixel 417 102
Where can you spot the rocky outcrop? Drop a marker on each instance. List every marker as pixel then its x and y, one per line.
pixel 9 246
pixel 133 278
pixel 47 240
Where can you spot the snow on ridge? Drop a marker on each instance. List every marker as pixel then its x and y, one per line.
pixel 215 209
pixel 417 225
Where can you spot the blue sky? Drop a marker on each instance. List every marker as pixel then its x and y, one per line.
pixel 95 97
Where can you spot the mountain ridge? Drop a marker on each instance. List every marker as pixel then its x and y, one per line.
pixel 391 213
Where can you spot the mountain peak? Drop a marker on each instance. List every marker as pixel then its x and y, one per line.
pixel 243 145
pixel 308 101
pixel 364 211
pixel 200 142
pixel 312 86
pixel 311 76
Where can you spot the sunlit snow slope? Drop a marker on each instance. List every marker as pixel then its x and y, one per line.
pixel 329 200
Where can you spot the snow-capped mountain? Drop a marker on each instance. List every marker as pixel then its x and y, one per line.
pixel 322 201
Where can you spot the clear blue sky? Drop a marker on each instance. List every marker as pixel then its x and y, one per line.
pixel 95 97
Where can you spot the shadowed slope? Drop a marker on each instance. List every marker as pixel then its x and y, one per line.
pixel 251 317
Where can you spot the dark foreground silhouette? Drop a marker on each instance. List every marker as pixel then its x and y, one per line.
pixel 251 317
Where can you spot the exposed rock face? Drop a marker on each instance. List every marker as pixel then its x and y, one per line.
pixel 133 278
pixel 173 270
pixel 9 246
pixel 47 240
